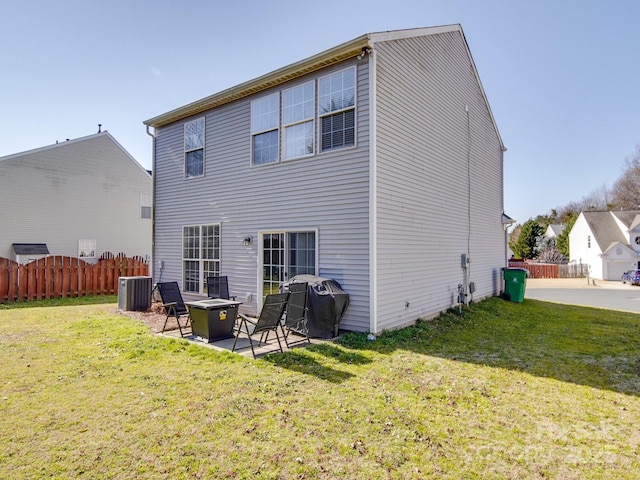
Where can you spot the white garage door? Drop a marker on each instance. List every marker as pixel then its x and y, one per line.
pixel 616 269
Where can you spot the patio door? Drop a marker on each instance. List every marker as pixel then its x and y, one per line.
pixel 285 255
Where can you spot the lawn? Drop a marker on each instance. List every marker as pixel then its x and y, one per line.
pixel 505 390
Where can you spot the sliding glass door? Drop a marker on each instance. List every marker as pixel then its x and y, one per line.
pixel 287 254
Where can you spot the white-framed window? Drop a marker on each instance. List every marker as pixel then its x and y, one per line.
pixel 86 248
pixel 265 129
pixel 294 114
pixel 285 254
pixel 145 205
pixel 200 256
pixel 298 112
pixel 337 109
pixel 194 148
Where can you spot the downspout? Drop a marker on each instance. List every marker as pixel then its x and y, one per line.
pixel 466 259
pixel 373 189
pixel 153 204
pixel 505 223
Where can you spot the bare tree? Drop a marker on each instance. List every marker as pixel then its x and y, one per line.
pixel 550 254
pixel 626 190
pixel 598 200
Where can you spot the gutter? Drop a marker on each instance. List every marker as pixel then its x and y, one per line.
pixel 153 199
pixel 321 60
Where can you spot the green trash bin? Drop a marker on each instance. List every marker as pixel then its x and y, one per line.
pixel 515 281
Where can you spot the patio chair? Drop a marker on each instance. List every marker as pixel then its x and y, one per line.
pixel 218 287
pixel 295 319
pixel 267 322
pixel 173 304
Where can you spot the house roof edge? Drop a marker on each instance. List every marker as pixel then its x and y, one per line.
pixel 413 32
pixel 55 145
pixel 323 59
pixel 104 133
pixel 310 64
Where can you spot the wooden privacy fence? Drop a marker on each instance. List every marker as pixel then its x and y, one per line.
pixel 552 270
pixel 537 270
pixel 60 277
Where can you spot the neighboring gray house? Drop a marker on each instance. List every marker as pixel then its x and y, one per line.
pixel 553 231
pixel 377 163
pixel 78 198
pixel 608 241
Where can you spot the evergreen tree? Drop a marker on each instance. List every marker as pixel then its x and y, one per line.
pixel 562 242
pixel 526 246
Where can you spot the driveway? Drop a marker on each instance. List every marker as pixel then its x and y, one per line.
pixel 611 295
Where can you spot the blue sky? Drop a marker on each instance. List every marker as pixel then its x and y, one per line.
pixel 562 76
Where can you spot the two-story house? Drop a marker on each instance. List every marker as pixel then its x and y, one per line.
pixel 608 241
pixel 376 163
pixel 78 198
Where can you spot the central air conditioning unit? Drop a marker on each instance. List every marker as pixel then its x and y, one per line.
pixel 134 293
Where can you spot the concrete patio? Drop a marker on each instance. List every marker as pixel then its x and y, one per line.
pixel 243 346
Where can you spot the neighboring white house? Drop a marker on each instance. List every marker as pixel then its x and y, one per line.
pixel 376 163
pixel 78 198
pixel 608 241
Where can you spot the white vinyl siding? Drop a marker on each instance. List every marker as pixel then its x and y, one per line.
pixel 331 196
pixel 438 179
pixel 434 193
pixel 87 188
pixel 581 252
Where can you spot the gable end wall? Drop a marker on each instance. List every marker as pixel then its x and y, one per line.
pixel 439 179
pixel 82 189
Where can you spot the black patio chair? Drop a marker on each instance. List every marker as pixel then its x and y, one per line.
pixel 218 287
pixel 267 322
pixel 295 318
pixel 173 304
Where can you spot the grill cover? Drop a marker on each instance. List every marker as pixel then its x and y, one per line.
pixel 326 304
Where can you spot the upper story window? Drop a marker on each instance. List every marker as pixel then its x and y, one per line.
pixel 336 109
pixel 298 111
pixel 588 241
pixel 194 148
pixel 265 123
pixel 294 114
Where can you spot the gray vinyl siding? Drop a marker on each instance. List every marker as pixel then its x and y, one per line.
pixel 86 188
pixel 427 212
pixel 327 191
